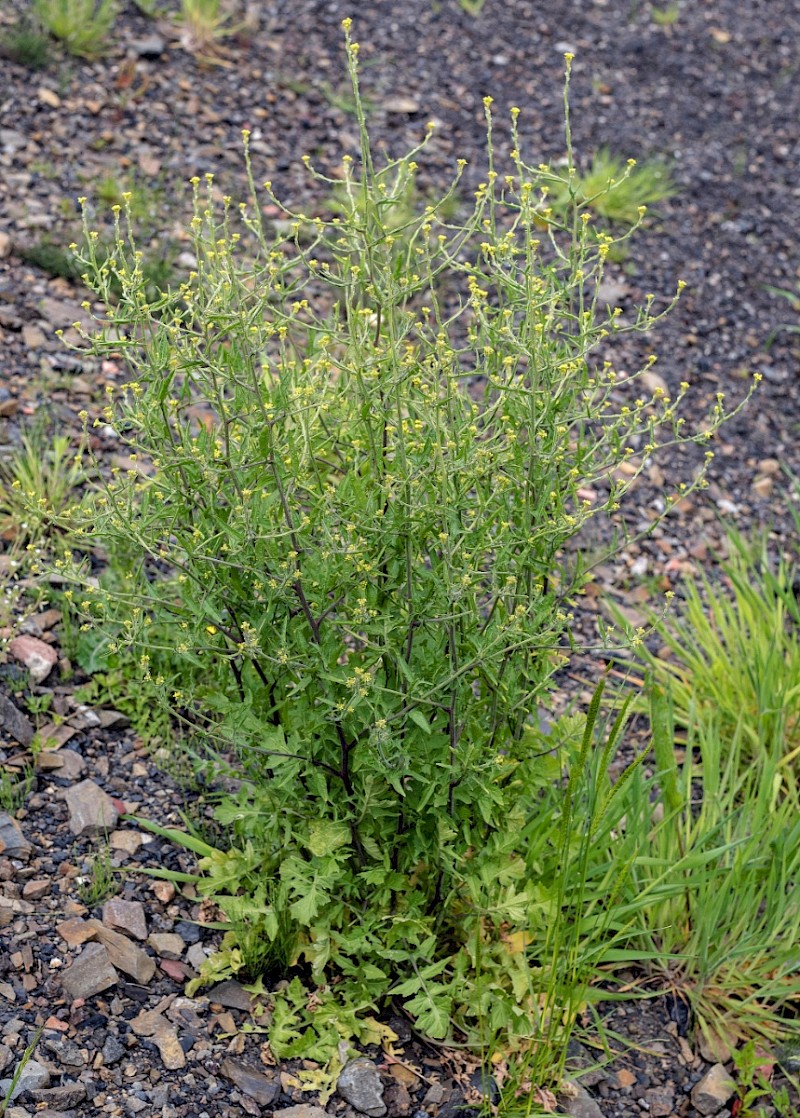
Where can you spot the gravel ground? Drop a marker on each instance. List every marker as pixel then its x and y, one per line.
pixel 716 91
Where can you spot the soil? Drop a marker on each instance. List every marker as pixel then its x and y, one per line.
pixel 713 87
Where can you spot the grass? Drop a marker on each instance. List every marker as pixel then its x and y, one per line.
pixel 27 1055
pixel 26 43
pixel 82 25
pixel 712 896
pixel 616 189
pixel 100 881
pixel 735 658
pixel 40 480
pixel 15 789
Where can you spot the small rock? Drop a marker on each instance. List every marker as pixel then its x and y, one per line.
pixel 196 955
pixel 49 97
pixel 660 1101
pixel 232 995
pixel 125 916
pixel 5 245
pixel 397 1099
pixel 35 890
pixel 577 1102
pixel 360 1084
pixel 713 1090
pixel 434 1096
pixel 404 106
pixel 113 720
pixel 33 1076
pixel 37 656
pixel 128 841
pixel 91 810
pixel 254 1083
pixel 124 955
pixel 164 890
pixel 404 1075
pixel 112 1050
pixel 763 486
pixel 61 1098
pixel 169 1047
pixel 714 1048
pixel 654 383
pixel 68 764
pixel 32 337
pixel 15 722
pixel 149 46
pixel 12 841
pixel 90 974
pixel 166 944
pixel 65 1051
pixel 625 1077
pixel 76 931
pixel 302 1110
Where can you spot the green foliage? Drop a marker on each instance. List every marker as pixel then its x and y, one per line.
pixel 82 25
pixel 99 882
pixel 713 905
pixel 26 43
pixel 793 299
pixel 735 659
pixel 20 1068
pixel 204 23
pixel 758 1096
pixel 358 578
pixel 38 486
pixel 666 16
pixel 616 189
pixel 15 788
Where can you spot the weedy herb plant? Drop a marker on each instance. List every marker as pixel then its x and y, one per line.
pixel 364 575
pixel 82 25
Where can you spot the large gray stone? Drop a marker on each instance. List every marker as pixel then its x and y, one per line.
pixel 14 722
pixel 90 974
pixel 125 955
pixel 252 1081
pixel 12 841
pixel 360 1084
pixel 713 1090
pixel 91 810
pixel 577 1102
pixel 33 1076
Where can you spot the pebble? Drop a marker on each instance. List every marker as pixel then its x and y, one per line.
pixel 91 810
pixel 149 46
pixel 6 245
pixel 125 916
pixel 90 974
pixel 713 1090
pixel 303 1110
pixel 166 944
pixel 360 1085
pixel 37 656
pixel 60 1098
pixel 112 1050
pixel 33 1076
pixel 124 955
pixel 577 1102
pixel 14 722
pixel 254 1083
pixel 12 841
